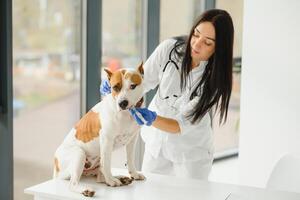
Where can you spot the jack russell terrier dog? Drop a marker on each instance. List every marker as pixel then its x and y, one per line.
pixel 87 148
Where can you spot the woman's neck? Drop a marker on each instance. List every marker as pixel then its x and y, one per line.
pixel 195 64
pixel 198 63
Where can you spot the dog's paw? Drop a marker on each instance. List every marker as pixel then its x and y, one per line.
pixel 137 176
pixel 113 182
pixel 125 180
pixel 88 193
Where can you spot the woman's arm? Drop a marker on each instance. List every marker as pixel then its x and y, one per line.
pixel 143 116
pixel 166 124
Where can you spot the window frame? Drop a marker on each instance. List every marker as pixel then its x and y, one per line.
pixel 91 34
pixel 6 101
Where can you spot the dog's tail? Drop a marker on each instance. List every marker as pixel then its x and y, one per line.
pixel 54 173
pixel 55 168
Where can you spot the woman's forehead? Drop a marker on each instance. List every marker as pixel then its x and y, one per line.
pixel 207 29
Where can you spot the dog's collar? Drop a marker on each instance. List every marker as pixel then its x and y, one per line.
pixel 140 103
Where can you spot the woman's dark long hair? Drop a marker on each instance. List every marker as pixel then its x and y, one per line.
pixel 215 86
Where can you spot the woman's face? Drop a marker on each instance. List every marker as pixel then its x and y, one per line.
pixel 202 42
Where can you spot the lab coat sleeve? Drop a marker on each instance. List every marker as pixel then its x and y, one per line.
pixel 185 123
pixel 154 64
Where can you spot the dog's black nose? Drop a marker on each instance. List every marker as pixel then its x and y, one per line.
pixel 123 104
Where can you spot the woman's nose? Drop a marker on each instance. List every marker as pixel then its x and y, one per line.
pixel 199 41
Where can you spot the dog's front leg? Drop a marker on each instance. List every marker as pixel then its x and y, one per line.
pixel 106 147
pixel 130 150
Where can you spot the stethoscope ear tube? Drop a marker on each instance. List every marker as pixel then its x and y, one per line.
pixel 164 69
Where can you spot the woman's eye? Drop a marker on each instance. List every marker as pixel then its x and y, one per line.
pixel 195 35
pixel 133 86
pixel 208 43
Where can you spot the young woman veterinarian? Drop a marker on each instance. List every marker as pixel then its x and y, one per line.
pixel 193 75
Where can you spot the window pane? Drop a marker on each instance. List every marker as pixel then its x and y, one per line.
pixel 121 41
pixel 177 17
pixel 46 78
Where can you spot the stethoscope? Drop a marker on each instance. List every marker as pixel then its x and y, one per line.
pixel 174 97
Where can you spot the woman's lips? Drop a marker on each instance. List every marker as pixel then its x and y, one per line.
pixel 194 51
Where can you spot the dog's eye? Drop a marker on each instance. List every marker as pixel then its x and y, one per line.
pixel 116 88
pixel 132 86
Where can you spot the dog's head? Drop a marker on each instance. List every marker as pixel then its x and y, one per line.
pixel 126 86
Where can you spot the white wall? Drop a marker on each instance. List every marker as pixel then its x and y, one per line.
pixel 270 98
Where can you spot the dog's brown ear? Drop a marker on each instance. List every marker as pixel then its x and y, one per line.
pixel 140 68
pixel 109 73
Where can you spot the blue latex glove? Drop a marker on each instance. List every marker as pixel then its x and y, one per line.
pixel 105 88
pixel 143 116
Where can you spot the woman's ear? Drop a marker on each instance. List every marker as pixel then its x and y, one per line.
pixel 140 68
pixel 109 73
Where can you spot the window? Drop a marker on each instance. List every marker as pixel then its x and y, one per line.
pixel 46 79
pixel 183 12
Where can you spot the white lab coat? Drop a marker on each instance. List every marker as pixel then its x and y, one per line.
pixel 195 142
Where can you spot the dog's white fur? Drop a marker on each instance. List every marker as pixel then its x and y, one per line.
pixel 86 153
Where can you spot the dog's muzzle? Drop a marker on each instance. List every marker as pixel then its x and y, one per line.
pixel 139 103
pixel 123 104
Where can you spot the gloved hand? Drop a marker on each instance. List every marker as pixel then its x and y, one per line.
pixel 143 116
pixel 105 88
